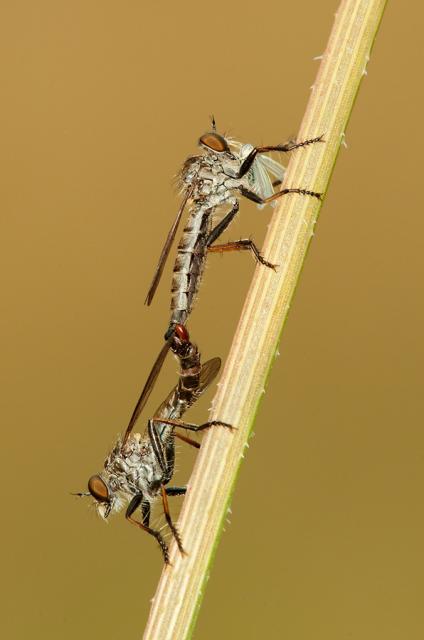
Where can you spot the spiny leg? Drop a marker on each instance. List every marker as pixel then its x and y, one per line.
pixel 195 427
pixel 282 148
pixel 144 525
pixel 168 518
pixel 165 453
pixel 157 445
pixel 251 195
pixel 242 245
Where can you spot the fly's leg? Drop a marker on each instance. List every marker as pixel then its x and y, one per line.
pixel 165 454
pixel 175 491
pixel 251 195
pixel 195 427
pixel 168 518
pixel 282 148
pixel 192 427
pixel 165 458
pixel 144 524
pixel 157 445
pixel 243 245
pixel 221 226
pixel 186 439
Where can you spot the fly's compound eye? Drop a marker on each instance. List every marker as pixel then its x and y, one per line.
pixel 214 141
pixel 98 489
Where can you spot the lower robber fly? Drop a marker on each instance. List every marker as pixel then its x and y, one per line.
pixel 139 468
pixel 224 171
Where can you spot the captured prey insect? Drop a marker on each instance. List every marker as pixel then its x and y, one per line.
pixel 225 170
pixel 139 468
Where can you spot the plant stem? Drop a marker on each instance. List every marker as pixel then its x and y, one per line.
pixel 181 586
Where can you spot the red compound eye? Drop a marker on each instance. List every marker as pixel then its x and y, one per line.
pixel 182 333
pixel 98 489
pixel 214 141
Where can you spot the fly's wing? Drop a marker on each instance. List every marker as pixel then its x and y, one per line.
pixel 167 247
pixel 273 167
pixel 147 389
pixel 208 373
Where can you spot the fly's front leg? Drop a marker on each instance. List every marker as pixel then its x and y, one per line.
pixel 157 445
pixel 165 458
pixel 251 195
pixel 168 518
pixel 195 427
pixel 164 453
pixel 282 148
pixel 144 524
pixel 243 245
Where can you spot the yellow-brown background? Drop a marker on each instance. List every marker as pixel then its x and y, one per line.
pixel 101 102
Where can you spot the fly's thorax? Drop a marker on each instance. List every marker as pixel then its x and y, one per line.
pixel 128 470
pixel 217 182
pixel 206 172
pixel 196 168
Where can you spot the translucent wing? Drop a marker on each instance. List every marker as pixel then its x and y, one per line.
pixel 172 404
pixel 273 167
pixel 147 389
pixel 260 180
pixel 167 247
pixel 208 373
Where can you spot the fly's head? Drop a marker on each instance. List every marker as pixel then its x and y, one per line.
pixel 106 498
pixel 215 144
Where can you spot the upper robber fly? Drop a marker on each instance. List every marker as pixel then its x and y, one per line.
pixel 212 180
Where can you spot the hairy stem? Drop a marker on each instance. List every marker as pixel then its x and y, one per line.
pixel 181 586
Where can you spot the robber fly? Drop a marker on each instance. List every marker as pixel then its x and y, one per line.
pixel 216 178
pixel 139 468
pixel 224 171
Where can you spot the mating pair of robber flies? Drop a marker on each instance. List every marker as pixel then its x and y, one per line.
pixel 139 468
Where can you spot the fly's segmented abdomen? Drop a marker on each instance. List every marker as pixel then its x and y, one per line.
pixel 188 388
pixel 189 264
pixel 190 367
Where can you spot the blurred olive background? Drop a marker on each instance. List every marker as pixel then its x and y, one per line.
pixel 101 102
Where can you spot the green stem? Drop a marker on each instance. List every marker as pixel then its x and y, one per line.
pixel 181 586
